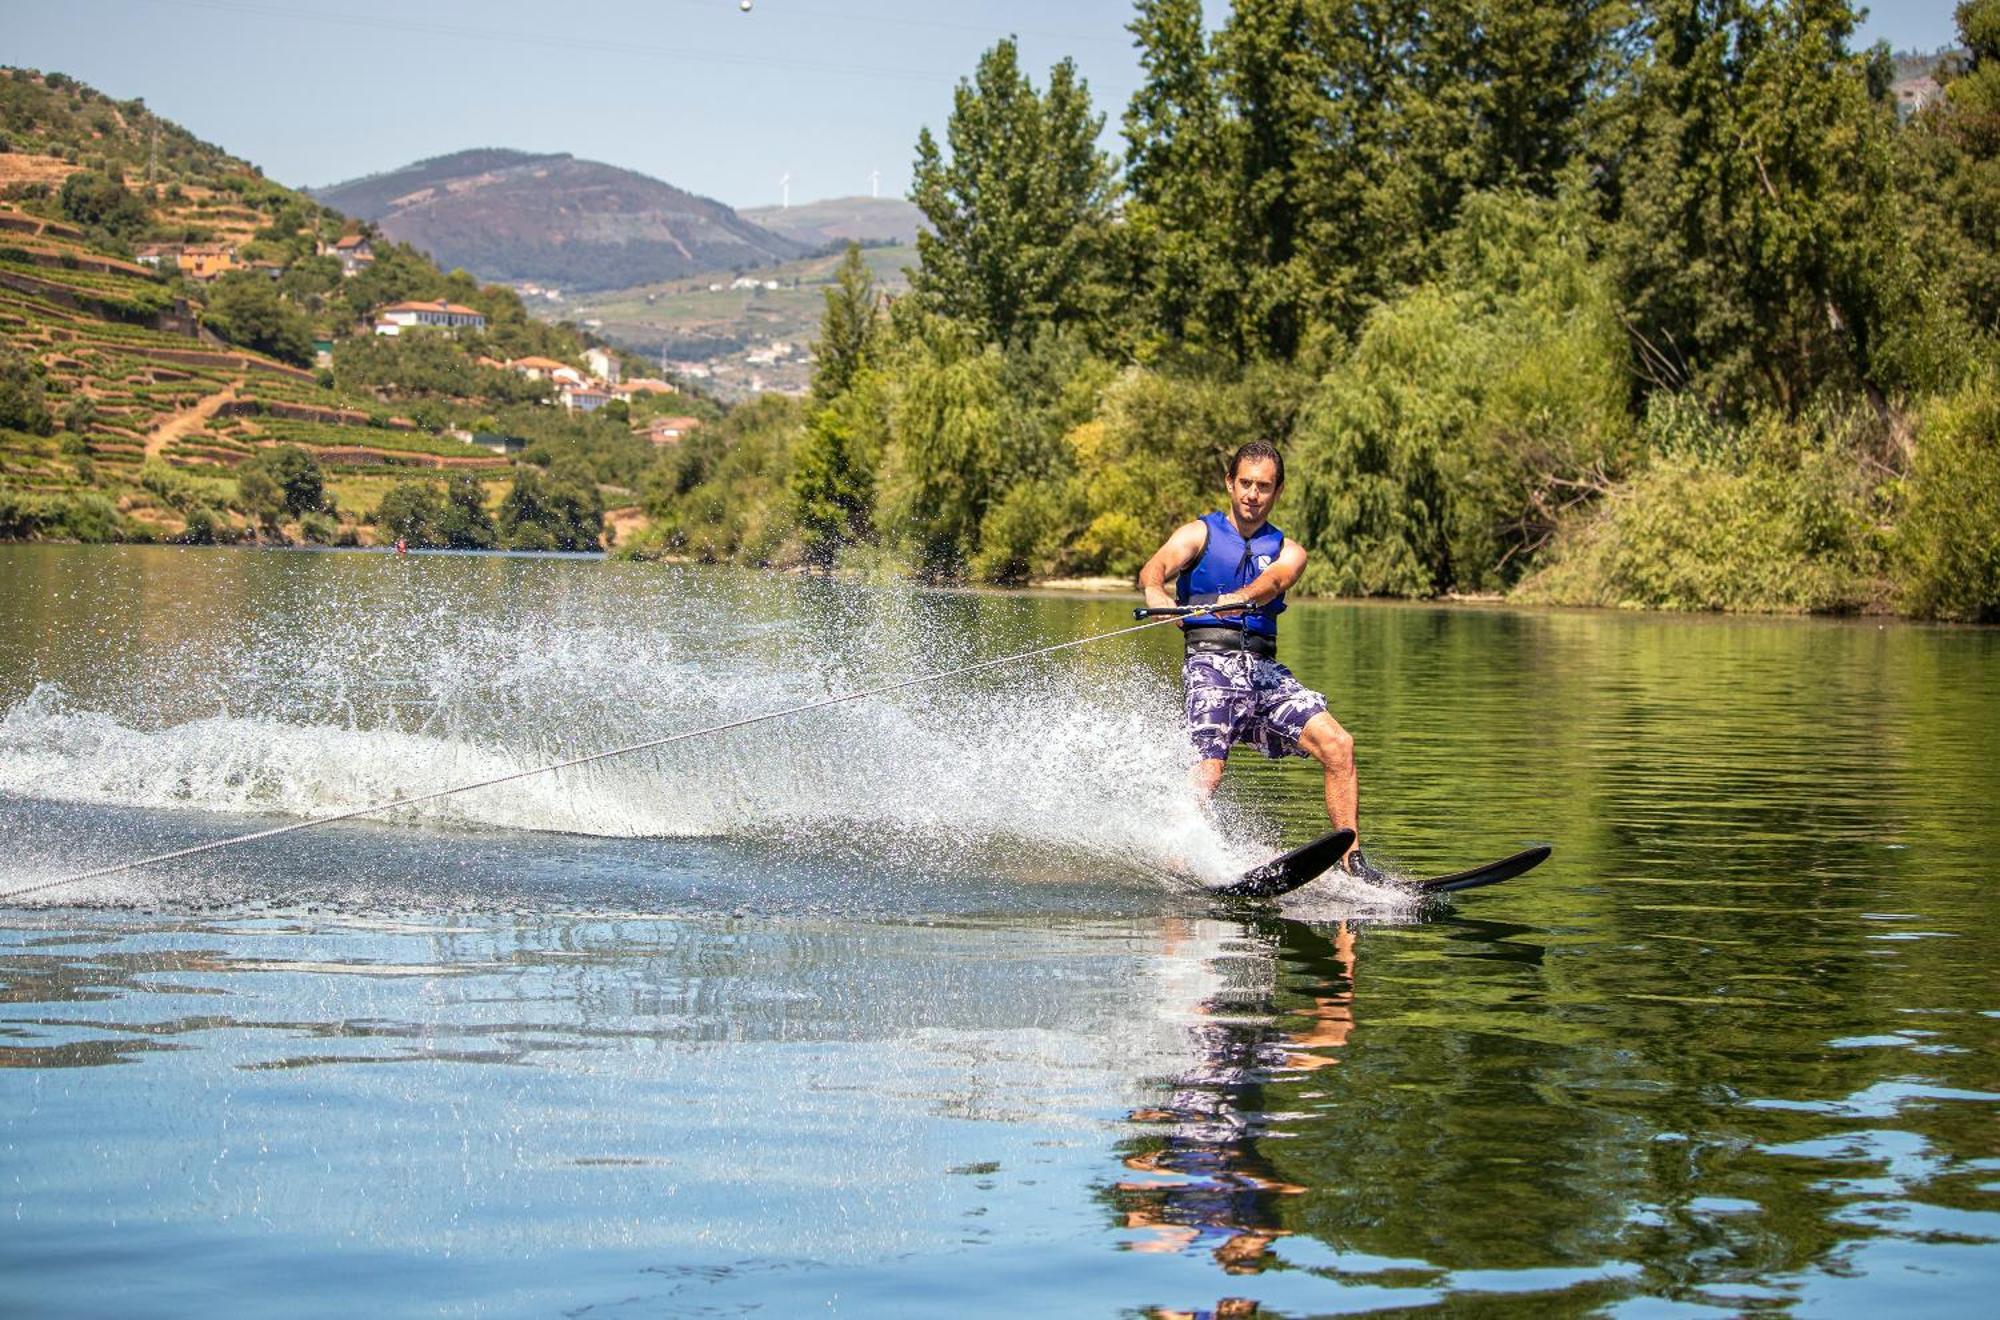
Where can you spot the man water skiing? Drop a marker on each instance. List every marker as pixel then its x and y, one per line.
pixel 1237 692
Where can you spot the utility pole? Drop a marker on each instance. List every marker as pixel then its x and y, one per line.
pixel 153 152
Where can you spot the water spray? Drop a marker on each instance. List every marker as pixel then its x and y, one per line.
pixel 1149 618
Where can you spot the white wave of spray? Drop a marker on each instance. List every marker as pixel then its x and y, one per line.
pixel 1043 766
pixel 363 681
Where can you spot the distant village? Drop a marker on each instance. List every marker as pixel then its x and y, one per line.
pixel 575 390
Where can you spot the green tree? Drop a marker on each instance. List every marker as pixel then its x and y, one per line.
pixel 104 205
pixel 465 523
pixel 79 414
pixel 412 512
pixel 944 451
pixel 246 309
pixel 832 476
pixel 1759 234
pixel 23 400
pixel 1267 73
pixel 1183 216
pixel 1948 540
pixel 259 495
pixel 1952 171
pixel 297 476
pixel 1020 212
pixel 545 513
pixel 723 493
pixel 1471 411
pixel 848 328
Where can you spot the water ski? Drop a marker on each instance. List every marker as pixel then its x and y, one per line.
pixel 1287 871
pixel 1490 874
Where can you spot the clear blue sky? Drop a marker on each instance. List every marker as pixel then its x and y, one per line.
pixel 691 91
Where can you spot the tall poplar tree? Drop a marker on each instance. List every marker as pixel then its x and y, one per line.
pixel 832 478
pixel 1183 212
pixel 847 328
pixel 1020 210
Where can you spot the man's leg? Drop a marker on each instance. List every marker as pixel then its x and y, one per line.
pixel 1206 777
pixel 1333 747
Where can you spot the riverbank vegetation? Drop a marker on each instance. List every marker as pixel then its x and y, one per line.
pixel 1662 304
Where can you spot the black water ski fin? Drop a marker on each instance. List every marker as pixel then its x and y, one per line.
pixel 1287 871
pixel 1490 874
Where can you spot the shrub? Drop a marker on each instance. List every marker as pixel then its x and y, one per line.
pixel 1947 544
pixel 1021 536
pixel 1777 519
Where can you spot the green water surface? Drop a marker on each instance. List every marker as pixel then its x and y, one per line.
pixel 1732 1050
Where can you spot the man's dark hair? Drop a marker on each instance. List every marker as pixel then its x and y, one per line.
pixel 1257 449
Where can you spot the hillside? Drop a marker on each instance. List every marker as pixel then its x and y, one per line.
pixel 739 341
pixel 201 360
pixel 556 220
pixel 839 219
pixel 54 126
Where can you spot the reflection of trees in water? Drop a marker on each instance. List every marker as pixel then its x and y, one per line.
pixel 1200 1183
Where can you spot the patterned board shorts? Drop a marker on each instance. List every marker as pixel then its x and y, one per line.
pixel 1239 697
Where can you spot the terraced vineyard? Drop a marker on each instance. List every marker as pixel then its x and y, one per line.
pixel 136 399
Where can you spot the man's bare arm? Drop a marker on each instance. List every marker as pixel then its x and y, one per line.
pixel 1170 561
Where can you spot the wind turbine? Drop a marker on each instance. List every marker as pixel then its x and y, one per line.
pixel 785 191
pixel 874 183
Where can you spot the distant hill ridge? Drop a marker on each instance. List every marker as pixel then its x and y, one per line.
pixel 839 219
pixel 554 219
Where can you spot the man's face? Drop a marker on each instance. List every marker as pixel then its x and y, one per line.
pixel 1253 490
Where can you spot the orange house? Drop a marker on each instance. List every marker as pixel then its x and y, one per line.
pixel 205 261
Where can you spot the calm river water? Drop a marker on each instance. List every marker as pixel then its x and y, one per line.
pixel 888 1010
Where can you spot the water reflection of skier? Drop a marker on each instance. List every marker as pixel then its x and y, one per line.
pixel 1204 1185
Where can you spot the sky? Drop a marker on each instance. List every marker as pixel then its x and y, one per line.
pixel 696 92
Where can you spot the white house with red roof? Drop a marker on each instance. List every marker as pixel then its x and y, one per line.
pixel 671 430
pixel 439 315
pixel 353 251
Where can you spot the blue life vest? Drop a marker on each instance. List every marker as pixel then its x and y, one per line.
pixel 1228 563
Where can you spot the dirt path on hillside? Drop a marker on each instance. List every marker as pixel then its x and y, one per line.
pixel 189 419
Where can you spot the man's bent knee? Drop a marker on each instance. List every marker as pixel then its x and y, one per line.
pixel 1327 742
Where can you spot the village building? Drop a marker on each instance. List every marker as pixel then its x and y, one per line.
pixel 586 398
pixel 664 431
pixel 538 368
pixel 206 261
pixel 603 364
pixel 1913 94
pixel 156 255
pixel 644 385
pixel 439 315
pixel 353 251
